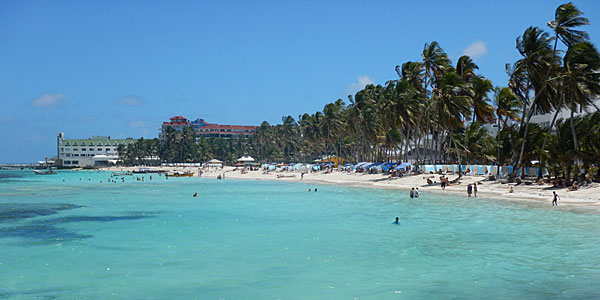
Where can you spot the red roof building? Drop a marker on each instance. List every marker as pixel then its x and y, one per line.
pixel 205 129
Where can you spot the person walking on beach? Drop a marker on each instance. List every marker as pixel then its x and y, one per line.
pixel 469 190
pixel 554 200
pixel 475 189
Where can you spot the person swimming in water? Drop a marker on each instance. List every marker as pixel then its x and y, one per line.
pixel 195 195
pixel 396 222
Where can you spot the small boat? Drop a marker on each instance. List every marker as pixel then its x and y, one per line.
pixel 48 171
pixel 180 174
pixel 141 171
pixel 122 173
pixel 147 170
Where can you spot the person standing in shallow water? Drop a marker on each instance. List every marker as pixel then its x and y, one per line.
pixel 555 198
pixel 475 189
pixel 469 190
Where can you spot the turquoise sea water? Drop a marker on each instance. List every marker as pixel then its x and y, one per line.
pixel 80 239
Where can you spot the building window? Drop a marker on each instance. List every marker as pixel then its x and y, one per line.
pixel 68 155
pixel 107 149
pixel 99 149
pixel 75 149
pixel 82 149
pixel 75 154
pixel 74 162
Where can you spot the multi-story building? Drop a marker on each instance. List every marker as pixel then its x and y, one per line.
pixel 90 152
pixel 544 120
pixel 202 128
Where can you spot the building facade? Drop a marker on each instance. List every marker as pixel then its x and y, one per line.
pixel 544 120
pixel 96 151
pixel 202 128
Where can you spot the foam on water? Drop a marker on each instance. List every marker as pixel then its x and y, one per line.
pixel 274 240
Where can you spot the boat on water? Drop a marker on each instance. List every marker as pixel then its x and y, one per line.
pixel 48 171
pixel 180 174
pixel 122 173
pixel 147 170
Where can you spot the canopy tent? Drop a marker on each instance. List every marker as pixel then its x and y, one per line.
pixel 215 161
pixel 246 158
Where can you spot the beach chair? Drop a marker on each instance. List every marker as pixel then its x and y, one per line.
pixel 494 170
pixel 504 171
pixel 532 172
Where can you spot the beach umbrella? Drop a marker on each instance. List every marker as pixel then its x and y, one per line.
pixel 215 161
pixel 402 166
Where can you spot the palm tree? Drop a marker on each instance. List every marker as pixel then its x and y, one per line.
pixel 507 108
pixel 465 68
pixel 566 18
pixel 530 73
pixel 263 137
pixel 451 106
pixel 580 79
pixel 483 112
pixel 331 123
pixel 435 62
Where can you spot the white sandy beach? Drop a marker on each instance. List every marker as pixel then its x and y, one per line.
pixel 585 199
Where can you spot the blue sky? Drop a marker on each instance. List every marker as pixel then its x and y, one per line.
pixel 120 68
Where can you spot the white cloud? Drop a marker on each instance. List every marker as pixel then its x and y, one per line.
pixel 137 124
pixel 49 100
pixel 476 50
pixel 361 82
pixel 131 100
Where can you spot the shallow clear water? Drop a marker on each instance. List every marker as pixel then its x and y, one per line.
pixel 80 239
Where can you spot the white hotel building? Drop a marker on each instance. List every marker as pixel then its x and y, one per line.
pixel 92 152
pixel 544 120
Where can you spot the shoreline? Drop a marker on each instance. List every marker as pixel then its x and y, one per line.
pixel 586 199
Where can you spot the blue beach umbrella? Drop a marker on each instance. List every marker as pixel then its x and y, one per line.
pixel 402 166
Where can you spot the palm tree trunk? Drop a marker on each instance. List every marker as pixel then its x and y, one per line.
pixel 572 122
pixel 529 115
pixel 541 159
pixel 498 142
pixel 457 154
